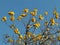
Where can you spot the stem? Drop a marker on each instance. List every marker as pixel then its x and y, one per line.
pixel 26 37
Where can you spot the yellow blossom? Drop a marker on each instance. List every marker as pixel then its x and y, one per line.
pixel 52 24
pixel 28 27
pixel 20 37
pixel 18 41
pixel 29 35
pixel 52 20
pixel 56 15
pixel 33 13
pixel 46 13
pixel 47 29
pixel 24 44
pixel 12 18
pixel 47 44
pixel 32 35
pixel 51 37
pixel 4 18
pixel 23 15
pixel 46 23
pixel 24 37
pixel 12 26
pixel 54 12
pixel 41 17
pixel 58 38
pixel 46 37
pixel 33 19
pixel 39 36
pixel 10 40
pixel 35 39
pixel 19 17
pixel 16 31
pixel 35 10
pixel 26 10
pixel 11 13
pixel 56 23
pixel 36 25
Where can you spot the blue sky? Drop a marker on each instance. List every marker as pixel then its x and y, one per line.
pixel 18 5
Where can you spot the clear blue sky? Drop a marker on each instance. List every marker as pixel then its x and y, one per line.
pixel 18 5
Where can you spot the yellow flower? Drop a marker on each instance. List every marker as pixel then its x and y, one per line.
pixel 26 10
pixel 33 13
pixel 28 27
pixel 47 29
pixel 24 44
pixel 39 36
pixel 23 15
pixel 19 18
pixel 20 37
pixel 47 44
pixel 52 20
pixel 4 18
pixel 18 41
pixel 10 40
pixel 46 13
pixel 12 18
pixel 51 37
pixel 12 26
pixel 24 37
pixel 32 35
pixel 36 25
pixel 33 19
pixel 58 38
pixel 29 35
pixel 56 15
pixel 46 37
pixel 41 17
pixel 54 12
pixel 56 23
pixel 35 39
pixel 11 13
pixel 52 24
pixel 46 23
pixel 16 31
pixel 35 10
